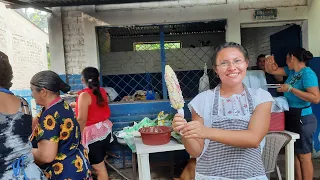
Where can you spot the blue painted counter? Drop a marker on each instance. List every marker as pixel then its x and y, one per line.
pixel 124 113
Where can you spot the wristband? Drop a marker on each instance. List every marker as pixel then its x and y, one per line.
pixel 290 88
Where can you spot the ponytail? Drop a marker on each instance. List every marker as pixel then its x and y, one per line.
pixel 91 77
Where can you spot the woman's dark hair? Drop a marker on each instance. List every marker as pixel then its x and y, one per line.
pixel 6 74
pixel 229 45
pixel 301 54
pixel 51 81
pixel 91 77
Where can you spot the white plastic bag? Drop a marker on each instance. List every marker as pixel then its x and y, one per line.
pixel 204 80
pixel 111 93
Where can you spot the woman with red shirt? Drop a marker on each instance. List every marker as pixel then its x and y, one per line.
pixel 93 114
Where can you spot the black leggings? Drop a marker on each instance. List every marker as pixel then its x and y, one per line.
pixel 97 150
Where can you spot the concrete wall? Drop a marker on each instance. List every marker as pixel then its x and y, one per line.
pixel 257 40
pixel 25 44
pixel 255 4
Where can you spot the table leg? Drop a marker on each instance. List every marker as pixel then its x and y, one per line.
pixel 171 164
pixel 134 166
pixel 123 158
pixel 290 160
pixel 144 167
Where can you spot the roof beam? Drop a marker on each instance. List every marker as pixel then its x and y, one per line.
pixel 16 4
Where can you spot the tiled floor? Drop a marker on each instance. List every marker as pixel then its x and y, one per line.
pixel 161 173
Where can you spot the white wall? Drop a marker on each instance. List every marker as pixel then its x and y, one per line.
pixel 314 27
pixel 257 40
pixel 195 13
pixel 255 4
pixel 25 45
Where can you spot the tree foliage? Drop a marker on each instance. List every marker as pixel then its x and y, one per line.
pixel 37 17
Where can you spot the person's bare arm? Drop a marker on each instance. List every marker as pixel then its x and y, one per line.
pixel 250 138
pixel 312 94
pixel 46 152
pixel 84 101
pixel 272 67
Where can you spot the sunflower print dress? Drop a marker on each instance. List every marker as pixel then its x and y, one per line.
pixel 58 124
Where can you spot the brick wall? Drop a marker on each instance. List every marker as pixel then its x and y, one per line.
pixel 257 40
pixel 75 27
pixel 73 38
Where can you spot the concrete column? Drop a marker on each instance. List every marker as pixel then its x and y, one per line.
pixel 233 29
pixel 58 64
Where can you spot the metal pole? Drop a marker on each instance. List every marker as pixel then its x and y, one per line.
pixel 163 63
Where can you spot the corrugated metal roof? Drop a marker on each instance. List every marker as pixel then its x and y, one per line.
pixel 169 29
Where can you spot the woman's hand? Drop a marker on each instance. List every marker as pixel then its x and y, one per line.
pixel 283 88
pixel 73 104
pixel 271 65
pixel 178 123
pixel 270 60
pixel 194 129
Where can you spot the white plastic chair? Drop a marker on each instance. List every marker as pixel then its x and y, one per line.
pixel 275 141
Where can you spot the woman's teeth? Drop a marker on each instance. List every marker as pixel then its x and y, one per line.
pixel 233 74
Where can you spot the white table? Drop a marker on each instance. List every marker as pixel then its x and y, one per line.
pixel 289 156
pixel 143 152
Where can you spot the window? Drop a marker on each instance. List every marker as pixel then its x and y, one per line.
pixel 142 46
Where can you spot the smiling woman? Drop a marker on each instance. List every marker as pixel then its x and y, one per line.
pixel 228 122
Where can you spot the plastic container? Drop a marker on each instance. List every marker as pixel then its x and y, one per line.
pixel 155 135
pixel 277 122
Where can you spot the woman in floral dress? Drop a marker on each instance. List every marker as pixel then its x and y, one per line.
pixel 57 136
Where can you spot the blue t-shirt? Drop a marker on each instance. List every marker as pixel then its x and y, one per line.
pixel 305 78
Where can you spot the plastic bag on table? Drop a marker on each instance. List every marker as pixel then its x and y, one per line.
pixel 145 122
pixel 130 142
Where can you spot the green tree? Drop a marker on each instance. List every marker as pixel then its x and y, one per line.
pixel 37 17
pixel 155 46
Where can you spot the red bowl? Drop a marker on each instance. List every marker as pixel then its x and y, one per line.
pixel 155 135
